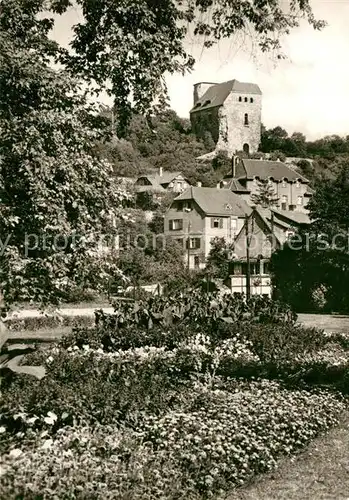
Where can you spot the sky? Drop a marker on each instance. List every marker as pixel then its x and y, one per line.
pixel 308 92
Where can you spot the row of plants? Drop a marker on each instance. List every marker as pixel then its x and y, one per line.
pixel 187 405
pixel 219 437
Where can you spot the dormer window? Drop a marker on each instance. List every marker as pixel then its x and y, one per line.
pixel 197 105
pixel 207 102
pixel 246 119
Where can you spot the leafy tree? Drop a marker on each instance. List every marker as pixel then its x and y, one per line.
pixel 265 196
pixel 53 182
pixel 306 168
pixel 58 198
pixel 319 258
pixel 219 258
pixel 127 47
pixel 221 161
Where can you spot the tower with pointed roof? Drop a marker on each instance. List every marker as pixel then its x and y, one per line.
pixel 230 112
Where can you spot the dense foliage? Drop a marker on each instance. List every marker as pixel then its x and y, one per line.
pixel 325 155
pixel 58 199
pixel 128 47
pixel 311 271
pixel 162 402
pixel 169 144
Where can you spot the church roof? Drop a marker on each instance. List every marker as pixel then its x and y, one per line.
pixel 265 169
pixel 217 93
pixel 218 202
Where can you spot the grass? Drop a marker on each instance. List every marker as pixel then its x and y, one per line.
pixel 327 322
pixel 321 472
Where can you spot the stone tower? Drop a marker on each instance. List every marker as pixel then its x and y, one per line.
pixel 231 112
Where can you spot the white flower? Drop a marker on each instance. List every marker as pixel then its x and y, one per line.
pixel 15 453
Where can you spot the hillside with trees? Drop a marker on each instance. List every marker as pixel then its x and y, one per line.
pixel 326 154
pixel 168 143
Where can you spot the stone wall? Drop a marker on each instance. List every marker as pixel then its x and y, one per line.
pixel 206 120
pixel 233 132
pixel 227 123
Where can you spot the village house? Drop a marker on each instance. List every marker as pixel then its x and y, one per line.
pixel 264 231
pixel 290 187
pixel 230 112
pixel 161 182
pixel 201 214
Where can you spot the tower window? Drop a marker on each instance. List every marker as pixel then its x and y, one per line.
pixel 246 119
pixel 240 99
pixel 251 100
pixel 246 99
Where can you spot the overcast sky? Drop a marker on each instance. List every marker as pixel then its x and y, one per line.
pixel 308 92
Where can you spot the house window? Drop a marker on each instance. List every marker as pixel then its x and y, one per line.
pixel 246 119
pixel 240 99
pixel 233 224
pixel 300 200
pixel 237 270
pixel 194 243
pixel 246 148
pixel 266 267
pixel 284 183
pixel 246 100
pixel 289 234
pixel 175 224
pixel 284 201
pixel 297 183
pixel 196 261
pixel 251 100
pixel 216 222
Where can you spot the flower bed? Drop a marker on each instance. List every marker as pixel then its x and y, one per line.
pixel 169 411
pixel 221 439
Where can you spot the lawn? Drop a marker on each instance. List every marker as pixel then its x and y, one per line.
pixel 321 472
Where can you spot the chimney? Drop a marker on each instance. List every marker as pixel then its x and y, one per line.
pixel 200 89
pixel 233 165
pixel 160 171
pixel 199 184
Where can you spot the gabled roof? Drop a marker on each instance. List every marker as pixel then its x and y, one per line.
pixel 285 218
pixel 220 202
pixel 265 168
pixel 157 181
pixel 217 93
pixel 234 185
pixel 291 216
